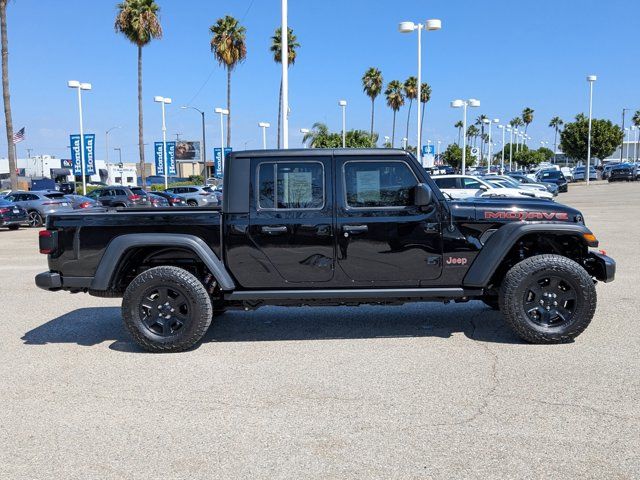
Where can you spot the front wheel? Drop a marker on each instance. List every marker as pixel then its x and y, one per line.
pixel 548 299
pixel 166 309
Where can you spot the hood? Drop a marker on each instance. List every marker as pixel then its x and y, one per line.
pixel 514 209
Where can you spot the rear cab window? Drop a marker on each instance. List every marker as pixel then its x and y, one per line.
pixel 290 185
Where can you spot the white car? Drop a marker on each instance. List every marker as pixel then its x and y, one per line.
pixel 568 174
pixel 466 186
pixel 538 191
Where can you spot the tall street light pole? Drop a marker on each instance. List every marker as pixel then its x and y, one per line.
pixel 591 79
pixel 164 101
pixel 503 128
pixel 284 45
pixel 204 140
pixel 222 112
pixel 119 150
pixel 510 130
pixel 79 86
pixel 264 126
pixel 408 27
pixel 106 136
pixel 343 105
pixel 624 110
pixel 472 102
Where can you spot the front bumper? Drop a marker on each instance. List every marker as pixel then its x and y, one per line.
pixel 600 266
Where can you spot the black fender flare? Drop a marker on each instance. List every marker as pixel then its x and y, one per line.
pixel 119 245
pixel 498 245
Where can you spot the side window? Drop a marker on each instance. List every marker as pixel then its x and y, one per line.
pixel 447 182
pixel 291 185
pixel 29 197
pixel 192 190
pixel 106 193
pixel 470 183
pixel 120 193
pixel 12 198
pixel 378 184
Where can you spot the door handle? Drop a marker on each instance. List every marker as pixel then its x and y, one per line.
pixel 274 229
pixel 355 228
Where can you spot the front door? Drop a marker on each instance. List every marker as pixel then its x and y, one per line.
pixel 383 238
pixel 291 221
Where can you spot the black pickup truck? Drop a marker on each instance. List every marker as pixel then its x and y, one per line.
pixel 329 227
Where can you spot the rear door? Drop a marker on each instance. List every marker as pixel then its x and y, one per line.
pixel 291 220
pixel 383 238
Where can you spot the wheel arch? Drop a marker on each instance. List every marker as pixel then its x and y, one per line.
pixel 154 245
pixel 512 242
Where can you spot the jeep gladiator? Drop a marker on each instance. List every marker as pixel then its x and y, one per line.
pixel 329 227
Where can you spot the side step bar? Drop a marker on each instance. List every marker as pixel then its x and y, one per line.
pixel 356 293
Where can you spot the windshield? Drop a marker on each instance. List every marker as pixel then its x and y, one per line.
pixel 494 183
pixel 509 181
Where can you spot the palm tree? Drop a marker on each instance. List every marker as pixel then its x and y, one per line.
pixel 138 21
pixel 229 47
pixel 6 95
pixel 395 100
pixel 276 49
pixel 425 96
pixel 318 136
pixel 372 82
pixel 556 123
pixel 636 123
pixel 527 118
pixel 411 92
pixel 459 125
pixel 472 133
pixel 480 121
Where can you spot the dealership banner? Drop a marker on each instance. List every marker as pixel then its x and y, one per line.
pixel 217 159
pixel 158 148
pixel 188 150
pixel 89 154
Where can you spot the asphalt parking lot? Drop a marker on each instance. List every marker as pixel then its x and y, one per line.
pixel 416 391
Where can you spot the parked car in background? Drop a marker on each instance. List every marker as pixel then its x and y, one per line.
pixel 606 170
pixel 117 197
pixel 144 195
pixel 467 186
pixel 568 174
pixel 173 199
pixel 623 172
pixel 553 176
pixel 579 174
pixel 157 201
pixel 196 196
pixel 39 204
pixel 527 182
pixel 12 215
pixel 80 202
pixel 66 187
pixel 501 182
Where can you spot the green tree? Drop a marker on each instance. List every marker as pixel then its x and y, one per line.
pixel 453 156
pixel 636 118
pixel 547 153
pixel 472 134
pixel 276 49
pixel 556 123
pixel 527 118
pixel 395 100
pixel 372 82
pixel 459 125
pixel 410 92
pixel 528 158
pixel 228 44
pixel 320 137
pixel 138 20
pixel 425 96
pixel 516 122
pixel 605 138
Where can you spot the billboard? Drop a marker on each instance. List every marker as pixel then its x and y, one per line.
pixel 158 149
pixel 188 150
pixel 89 154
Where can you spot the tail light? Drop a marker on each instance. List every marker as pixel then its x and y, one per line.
pixel 205 194
pixel 175 200
pixel 5 210
pixel 85 205
pixel 51 203
pixel 48 240
pixel 133 197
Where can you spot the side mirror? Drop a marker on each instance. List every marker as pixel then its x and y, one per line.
pixel 483 188
pixel 423 195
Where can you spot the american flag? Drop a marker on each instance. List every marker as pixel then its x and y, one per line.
pixel 18 136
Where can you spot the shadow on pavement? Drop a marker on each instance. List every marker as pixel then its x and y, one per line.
pixel 92 326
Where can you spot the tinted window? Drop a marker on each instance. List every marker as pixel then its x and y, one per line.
pixel 291 185
pixel 54 195
pixel 119 192
pixel 106 193
pixel 451 182
pixel 30 196
pixel 192 190
pixel 379 184
pixel 470 183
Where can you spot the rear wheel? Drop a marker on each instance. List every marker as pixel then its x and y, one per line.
pixel 35 219
pixel 166 309
pixel 548 299
pixel 192 203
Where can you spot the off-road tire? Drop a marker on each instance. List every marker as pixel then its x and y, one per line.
pixel 196 321
pixel 522 277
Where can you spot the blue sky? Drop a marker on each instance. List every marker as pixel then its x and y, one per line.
pixel 507 54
